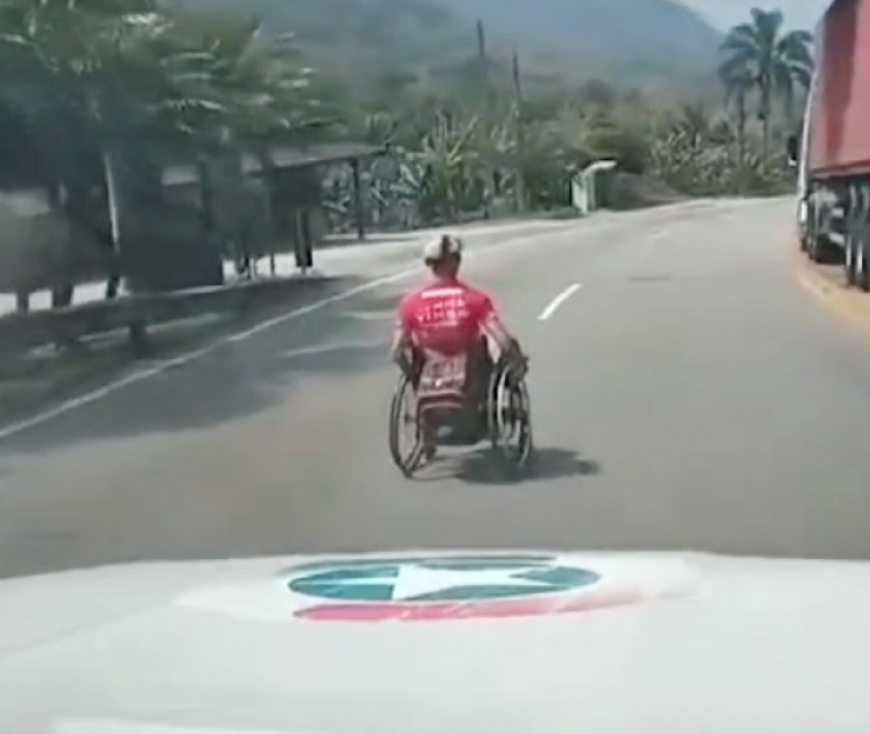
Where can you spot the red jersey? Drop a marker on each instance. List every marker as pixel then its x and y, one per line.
pixel 445 316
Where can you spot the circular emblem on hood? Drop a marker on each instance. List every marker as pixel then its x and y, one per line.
pixel 448 587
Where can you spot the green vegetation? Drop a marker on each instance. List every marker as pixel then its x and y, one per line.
pixel 485 147
pixel 100 95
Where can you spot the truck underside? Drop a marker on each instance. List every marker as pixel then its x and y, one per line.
pixel 834 219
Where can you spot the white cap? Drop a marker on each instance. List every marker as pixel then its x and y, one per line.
pixel 442 246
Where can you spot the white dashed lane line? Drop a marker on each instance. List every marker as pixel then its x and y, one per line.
pixel 554 305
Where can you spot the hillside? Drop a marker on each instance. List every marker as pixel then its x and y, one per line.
pixel 627 41
pixel 622 31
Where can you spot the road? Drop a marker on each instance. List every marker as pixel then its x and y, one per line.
pixel 687 392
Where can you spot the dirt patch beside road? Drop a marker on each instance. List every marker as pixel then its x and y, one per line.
pixel 828 284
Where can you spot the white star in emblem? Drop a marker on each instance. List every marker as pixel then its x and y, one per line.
pixel 414 580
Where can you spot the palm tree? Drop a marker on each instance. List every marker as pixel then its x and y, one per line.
pixel 778 62
pixel 259 93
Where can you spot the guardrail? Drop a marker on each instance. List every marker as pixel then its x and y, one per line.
pixel 135 313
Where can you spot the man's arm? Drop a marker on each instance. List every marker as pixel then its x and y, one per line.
pixel 496 329
pixel 402 341
pixel 492 324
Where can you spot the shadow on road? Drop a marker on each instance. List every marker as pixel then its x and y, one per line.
pixel 238 379
pixel 481 467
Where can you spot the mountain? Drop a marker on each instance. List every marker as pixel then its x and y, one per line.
pixel 623 41
pixel 356 36
pixel 628 30
pixel 627 41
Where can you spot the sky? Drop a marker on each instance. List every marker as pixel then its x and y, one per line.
pixel 726 13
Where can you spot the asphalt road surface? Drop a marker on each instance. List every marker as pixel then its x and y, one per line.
pixel 687 394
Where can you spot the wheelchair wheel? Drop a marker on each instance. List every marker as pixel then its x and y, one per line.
pixel 510 420
pixel 404 414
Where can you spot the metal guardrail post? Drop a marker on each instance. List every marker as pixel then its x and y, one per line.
pixel 139 340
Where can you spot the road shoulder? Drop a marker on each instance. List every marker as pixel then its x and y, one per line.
pixel 827 284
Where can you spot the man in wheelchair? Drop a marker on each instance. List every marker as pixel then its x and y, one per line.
pixel 441 341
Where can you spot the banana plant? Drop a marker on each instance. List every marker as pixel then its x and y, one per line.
pixel 450 159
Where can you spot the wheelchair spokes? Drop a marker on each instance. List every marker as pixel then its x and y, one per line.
pixel 505 422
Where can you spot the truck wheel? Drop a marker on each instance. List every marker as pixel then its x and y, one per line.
pixel 823 251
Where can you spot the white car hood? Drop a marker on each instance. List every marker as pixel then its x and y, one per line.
pixel 644 643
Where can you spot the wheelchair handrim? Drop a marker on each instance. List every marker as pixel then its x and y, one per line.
pixel 518 410
pixel 400 418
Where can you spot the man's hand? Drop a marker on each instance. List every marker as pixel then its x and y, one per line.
pixel 403 360
pixel 520 363
pixel 515 356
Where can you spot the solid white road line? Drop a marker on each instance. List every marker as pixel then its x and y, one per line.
pixel 553 306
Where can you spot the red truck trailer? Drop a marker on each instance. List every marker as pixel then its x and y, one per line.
pixel 834 152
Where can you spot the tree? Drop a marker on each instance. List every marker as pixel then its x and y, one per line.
pixel 777 61
pixel 124 82
pixel 95 82
pixel 738 80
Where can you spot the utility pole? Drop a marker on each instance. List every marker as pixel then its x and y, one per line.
pixel 518 134
pixel 481 41
pixel 482 63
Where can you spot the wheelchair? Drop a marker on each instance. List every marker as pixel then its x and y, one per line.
pixel 503 420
